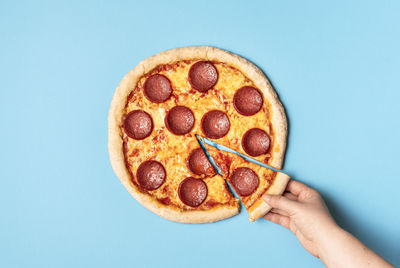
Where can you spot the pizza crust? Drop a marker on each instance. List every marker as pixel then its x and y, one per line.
pixel 115 117
pixel 277 188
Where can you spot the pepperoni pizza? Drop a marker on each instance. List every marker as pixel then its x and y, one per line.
pixel 164 101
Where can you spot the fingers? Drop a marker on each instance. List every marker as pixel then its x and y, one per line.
pixel 281 202
pixel 296 187
pixel 279 211
pixel 278 219
pixel 290 196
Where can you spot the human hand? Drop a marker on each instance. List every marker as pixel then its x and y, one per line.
pixel 301 210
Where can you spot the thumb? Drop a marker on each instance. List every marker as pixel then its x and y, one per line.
pixel 280 202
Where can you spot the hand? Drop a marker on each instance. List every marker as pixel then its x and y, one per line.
pixel 301 210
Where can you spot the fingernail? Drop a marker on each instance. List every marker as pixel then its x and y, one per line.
pixel 267 198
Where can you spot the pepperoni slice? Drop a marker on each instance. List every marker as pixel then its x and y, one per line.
pixel 138 124
pixel 244 180
pixel 198 163
pixel 179 120
pixel 157 88
pixel 247 101
pixel 255 142
pixel 192 191
pixel 215 124
pixel 150 175
pixel 203 75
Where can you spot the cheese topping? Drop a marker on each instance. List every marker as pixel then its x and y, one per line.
pixel 172 151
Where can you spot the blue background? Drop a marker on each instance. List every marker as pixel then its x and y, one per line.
pixel 335 65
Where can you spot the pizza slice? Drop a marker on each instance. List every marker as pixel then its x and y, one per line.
pixel 250 181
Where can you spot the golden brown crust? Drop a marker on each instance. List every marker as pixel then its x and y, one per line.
pixel 116 112
pixel 260 208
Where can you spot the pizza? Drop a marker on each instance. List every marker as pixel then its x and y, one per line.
pixel 164 101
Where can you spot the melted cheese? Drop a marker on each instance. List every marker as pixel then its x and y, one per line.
pixel 172 150
pixel 228 162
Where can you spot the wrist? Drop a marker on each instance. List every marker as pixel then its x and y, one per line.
pixel 330 245
pixel 329 234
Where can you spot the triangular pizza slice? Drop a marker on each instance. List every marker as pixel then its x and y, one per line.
pixel 250 181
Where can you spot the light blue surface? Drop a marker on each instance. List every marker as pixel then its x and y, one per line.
pixel 335 65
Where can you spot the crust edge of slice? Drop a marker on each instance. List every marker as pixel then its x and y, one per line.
pixel 260 208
